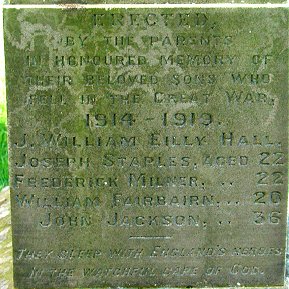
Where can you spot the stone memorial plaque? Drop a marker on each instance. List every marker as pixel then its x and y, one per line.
pixel 148 147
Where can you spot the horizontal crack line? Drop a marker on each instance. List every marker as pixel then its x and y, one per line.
pixel 150 237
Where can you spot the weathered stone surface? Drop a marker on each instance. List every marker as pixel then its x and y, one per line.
pixel 6 279
pixel 148 146
pixel 61 2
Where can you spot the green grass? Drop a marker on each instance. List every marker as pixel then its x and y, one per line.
pixel 3 146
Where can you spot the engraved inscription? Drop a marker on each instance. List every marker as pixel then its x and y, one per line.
pixel 148 146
